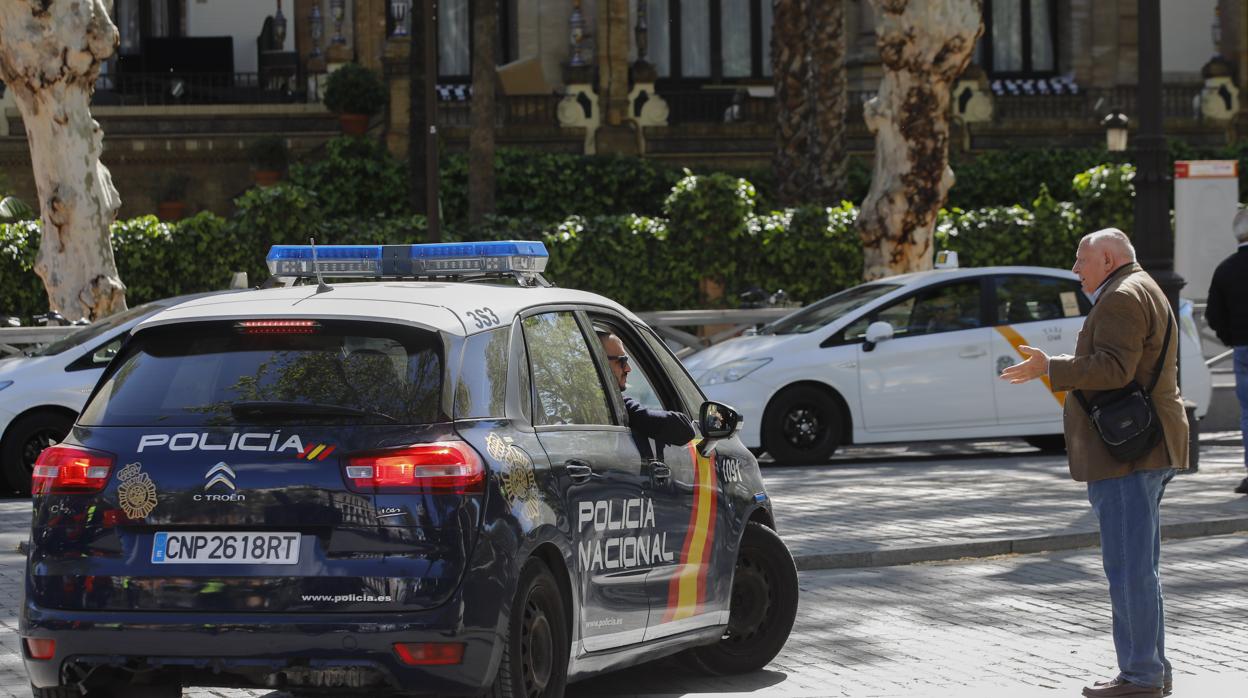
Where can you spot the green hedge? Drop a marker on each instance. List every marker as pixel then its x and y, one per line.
pixel 647 262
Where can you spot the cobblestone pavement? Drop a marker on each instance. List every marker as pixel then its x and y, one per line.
pixel 1013 625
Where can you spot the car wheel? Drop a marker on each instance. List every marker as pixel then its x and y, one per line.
pixel 764 605
pixel 535 661
pixel 25 439
pixel 1054 443
pixel 803 425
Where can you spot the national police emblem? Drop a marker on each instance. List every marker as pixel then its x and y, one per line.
pixel 519 480
pixel 137 492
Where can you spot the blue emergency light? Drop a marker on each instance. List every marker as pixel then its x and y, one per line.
pixel 460 259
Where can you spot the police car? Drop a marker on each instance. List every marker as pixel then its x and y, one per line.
pixel 402 486
pixel 913 357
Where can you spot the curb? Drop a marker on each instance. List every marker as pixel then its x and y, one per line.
pixel 992 548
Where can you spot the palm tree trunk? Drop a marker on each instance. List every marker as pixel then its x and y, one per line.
pixel 481 142
pixel 830 90
pixel 790 68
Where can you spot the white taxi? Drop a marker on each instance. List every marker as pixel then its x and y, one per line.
pixel 913 357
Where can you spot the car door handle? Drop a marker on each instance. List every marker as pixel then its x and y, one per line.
pixel 972 352
pixel 659 472
pixel 578 470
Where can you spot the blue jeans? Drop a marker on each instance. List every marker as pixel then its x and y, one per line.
pixel 1241 392
pixel 1128 509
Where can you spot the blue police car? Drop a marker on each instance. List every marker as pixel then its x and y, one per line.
pixel 424 483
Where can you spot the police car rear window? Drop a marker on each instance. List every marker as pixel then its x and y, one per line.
pixel 222 373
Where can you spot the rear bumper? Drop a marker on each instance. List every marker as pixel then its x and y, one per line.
pixel 269 651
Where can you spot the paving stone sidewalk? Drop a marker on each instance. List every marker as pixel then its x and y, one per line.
pixel 924 502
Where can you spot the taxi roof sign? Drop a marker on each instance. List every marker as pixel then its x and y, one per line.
pixel 525 259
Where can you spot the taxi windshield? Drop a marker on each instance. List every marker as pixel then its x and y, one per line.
pixel 215 374
pixel 822 312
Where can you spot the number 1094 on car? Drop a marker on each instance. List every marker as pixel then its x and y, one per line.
pixel 218 548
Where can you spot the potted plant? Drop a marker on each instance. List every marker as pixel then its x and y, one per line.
pixel 268 158
pixel 171 196
pixel 355 94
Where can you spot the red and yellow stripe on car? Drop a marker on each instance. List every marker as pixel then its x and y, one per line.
pixel 316 451
pixel 687 591
pixel 1016 340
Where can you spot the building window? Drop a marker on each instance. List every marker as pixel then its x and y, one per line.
pixel 1019 38
pixel 710 40
pixel 455 38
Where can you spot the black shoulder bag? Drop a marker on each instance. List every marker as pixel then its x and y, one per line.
pixel 1126 418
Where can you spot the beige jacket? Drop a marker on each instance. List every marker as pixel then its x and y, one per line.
pixel 1120 341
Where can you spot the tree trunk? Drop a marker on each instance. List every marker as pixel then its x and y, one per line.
pixel 830 88
pixel 790 68
pixel 808 65
pixel 417 129
pixel 924 46
pixel 481 142
pixel 50 56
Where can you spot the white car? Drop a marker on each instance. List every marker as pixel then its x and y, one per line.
pixel 913 357
pixel 41 394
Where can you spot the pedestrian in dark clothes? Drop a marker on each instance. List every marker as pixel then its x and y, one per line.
pixel 1227 315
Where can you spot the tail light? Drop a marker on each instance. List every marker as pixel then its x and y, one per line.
pixel 277 327
pixel 426 653
pixel 442 467
pixel 40 647
pixel 70 470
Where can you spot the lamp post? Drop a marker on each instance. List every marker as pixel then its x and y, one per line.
pixel 1154 237
pixel 1115 124
pixel 279 27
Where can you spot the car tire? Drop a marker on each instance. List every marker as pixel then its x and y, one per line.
pixel 802 425
pixel 535 660
pixel 764 606
pixel 25 438
pixel 1049 443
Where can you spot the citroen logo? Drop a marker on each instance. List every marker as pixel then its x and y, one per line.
pixel 220 473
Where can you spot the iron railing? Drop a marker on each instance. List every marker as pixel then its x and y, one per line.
pixel 511 110
pixel 1177 101
pixel 148 89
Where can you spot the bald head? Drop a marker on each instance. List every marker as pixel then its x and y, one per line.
pixel 1099 254
pixel 1241 226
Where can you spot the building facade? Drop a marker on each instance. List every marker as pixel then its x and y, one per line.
pixel 686 81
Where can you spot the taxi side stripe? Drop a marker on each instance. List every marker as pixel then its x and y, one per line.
pixel 1016 340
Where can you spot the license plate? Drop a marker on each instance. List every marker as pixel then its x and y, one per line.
pixel 218 548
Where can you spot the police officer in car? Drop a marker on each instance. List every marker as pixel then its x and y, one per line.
pixel 663 426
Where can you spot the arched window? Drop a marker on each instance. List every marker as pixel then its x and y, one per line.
pixel 711 41
pixel 1020 38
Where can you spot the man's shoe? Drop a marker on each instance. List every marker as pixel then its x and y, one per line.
pixel 1243 487
pixel 1167 686
pixel 1120 688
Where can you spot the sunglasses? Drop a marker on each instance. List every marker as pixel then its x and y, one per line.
pixel 622 358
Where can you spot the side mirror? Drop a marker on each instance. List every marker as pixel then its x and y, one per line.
pixel 717 422
pixel 877 332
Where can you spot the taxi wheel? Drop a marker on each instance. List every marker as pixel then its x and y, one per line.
pixel 764 606
pixel 802 425
pixel 535 662
pixel 25 439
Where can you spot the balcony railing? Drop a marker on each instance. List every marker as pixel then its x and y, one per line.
pixel 511 110
pixel 146 89
pixel 1180 101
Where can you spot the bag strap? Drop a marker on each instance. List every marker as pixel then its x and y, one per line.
pixel 1161 361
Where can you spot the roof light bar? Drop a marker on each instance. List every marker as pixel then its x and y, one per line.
pixel 433 259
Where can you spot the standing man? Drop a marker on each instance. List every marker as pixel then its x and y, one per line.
pixel 1121 341
pixel 1227 316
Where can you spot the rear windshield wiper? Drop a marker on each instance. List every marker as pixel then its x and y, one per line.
pixel 277 408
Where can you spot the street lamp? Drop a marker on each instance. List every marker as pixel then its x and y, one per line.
pixel 279 27
pixel 1115 125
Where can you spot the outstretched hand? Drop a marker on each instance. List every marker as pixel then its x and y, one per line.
pixel 1035 365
